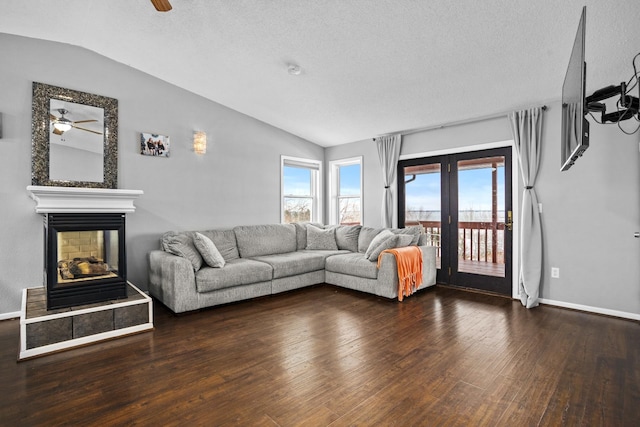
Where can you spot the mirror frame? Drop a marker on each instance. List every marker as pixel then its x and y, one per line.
pixel 41 130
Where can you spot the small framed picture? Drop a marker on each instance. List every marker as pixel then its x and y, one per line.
pixel 152 144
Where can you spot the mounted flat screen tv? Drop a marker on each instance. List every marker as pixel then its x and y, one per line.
pixel 575 127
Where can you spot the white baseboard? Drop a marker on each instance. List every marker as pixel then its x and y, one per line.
pixel 7 316
pixel 597 310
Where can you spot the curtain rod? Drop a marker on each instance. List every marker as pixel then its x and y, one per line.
pixel 456 123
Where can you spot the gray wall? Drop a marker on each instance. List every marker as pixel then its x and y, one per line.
pixel 589 212
pixel 236 182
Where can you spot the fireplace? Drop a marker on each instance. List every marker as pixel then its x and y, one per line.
pixel 85 258
pixel 84 243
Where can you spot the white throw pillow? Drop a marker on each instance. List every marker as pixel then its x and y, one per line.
pixel 208 250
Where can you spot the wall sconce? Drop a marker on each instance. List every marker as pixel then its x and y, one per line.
pixel 199 142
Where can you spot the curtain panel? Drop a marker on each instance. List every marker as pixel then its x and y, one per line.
pixel 388 153
pixel 526 126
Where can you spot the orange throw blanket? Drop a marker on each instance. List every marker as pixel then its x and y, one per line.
pixel 409 260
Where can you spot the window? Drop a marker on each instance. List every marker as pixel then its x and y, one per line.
pixel 301 190
pixel 346 191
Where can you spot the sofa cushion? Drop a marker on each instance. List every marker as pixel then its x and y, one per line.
pixel 236 272
pixel 366 236
pixel 395 241
pixel 181 244
pixel 347 236
pixel 404 240
pixel 353 264
pixel 258 240
pixel 225 241
pixel 413 231
pixel 379 240
pixel 376 248
pixel 294 263
pixel 318 238
pixel 208 250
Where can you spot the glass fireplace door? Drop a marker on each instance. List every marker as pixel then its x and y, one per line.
pixel 84 258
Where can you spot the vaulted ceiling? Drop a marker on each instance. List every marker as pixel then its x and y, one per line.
pixel 368 67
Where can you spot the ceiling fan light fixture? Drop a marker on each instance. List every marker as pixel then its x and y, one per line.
pixel 62 125
pixel 162 5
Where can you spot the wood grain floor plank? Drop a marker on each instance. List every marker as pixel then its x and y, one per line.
pixel 328 356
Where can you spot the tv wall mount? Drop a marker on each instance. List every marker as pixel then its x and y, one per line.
pixel 628 105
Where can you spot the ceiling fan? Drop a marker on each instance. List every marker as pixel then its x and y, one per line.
pixel 62 124
pixel 161 5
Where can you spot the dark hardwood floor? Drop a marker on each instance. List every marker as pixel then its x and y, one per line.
pixel 327 356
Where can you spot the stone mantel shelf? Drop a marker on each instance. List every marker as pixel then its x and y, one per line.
pixel 82 200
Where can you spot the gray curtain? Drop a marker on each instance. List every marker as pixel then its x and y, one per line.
pixel 527 135
pixel 388 152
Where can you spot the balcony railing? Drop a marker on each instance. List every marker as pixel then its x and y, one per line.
pixel 482 242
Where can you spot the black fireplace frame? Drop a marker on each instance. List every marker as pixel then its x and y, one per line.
pixel 92 291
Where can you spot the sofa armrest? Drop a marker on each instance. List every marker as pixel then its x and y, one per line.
pixel 388 272
pixel 172 281
pixel 429 269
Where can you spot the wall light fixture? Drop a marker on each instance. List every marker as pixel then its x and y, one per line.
pixel 199 142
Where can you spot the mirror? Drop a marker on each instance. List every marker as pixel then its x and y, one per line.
pixel 75 138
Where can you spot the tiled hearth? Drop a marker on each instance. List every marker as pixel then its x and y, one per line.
pixel 45 331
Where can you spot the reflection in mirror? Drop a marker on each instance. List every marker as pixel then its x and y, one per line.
pixel 74 138
pixel 75 142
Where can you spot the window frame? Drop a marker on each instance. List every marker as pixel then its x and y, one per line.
pixel 315 167
pixel 334 177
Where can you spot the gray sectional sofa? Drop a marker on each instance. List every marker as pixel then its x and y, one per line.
pixel 194 270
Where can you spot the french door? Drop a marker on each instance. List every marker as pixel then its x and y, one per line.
pixel 463 201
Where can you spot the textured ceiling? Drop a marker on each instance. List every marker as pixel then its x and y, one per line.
pixel 369 67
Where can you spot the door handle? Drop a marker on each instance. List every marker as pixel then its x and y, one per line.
pixel 509 223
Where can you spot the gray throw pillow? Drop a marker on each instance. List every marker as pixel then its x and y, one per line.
pixel 321 239
pixel 388 243
pixel 225 241
pixel 376 241
pixel 413 231
pixel 208 250
pixel 404 240
pixel 347 237
pixel 365 237
pixel 181 244
pixel 395 241
pixel 301 233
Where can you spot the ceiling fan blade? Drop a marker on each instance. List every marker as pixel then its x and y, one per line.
pixel 161 5
pixel 57 131
pixel 84 121
pixel 52 117
pixel 87 130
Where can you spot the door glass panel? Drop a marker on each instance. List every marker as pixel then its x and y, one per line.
pixel 423 202
pixel 481 216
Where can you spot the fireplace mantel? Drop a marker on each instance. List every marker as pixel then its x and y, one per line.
pixel 82 200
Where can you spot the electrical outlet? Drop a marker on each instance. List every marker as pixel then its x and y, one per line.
pixel 555 272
